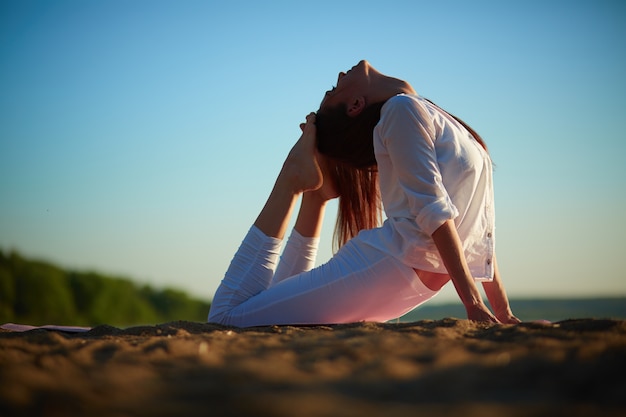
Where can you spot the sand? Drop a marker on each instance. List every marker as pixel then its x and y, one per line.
pixel 427 368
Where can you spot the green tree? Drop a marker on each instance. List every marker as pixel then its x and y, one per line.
pixel 172 304
pixel 37 293
pixel 7 293
pixel 43 294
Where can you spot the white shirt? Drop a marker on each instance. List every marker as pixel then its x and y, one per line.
pixel 431 170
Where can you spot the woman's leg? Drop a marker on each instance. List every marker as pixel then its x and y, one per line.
pixel 249 273
pixel 301 249
pixel 298 256
pixel 358 284
pixel 300 173
pixel 252 267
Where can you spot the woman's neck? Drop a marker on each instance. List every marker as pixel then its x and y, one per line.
pixel 388 87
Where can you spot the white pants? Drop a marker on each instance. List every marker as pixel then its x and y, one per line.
pixel 359 283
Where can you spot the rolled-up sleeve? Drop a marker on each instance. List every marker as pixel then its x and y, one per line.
pixel 408 135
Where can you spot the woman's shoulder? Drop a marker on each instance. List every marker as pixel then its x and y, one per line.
pixel 405 101
pixel 405 113
pixel 410 105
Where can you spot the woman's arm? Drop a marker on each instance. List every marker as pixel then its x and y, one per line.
pixel 497 298
pixel 311 215
pixel 449 246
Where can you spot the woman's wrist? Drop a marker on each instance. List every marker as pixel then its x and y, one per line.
pixel 504 312
pixel 474 303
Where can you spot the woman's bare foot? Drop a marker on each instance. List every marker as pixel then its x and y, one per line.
pixel 301 170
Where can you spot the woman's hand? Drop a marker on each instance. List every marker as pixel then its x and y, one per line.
pixel 507 317
pixel 498 299
pixel 480 313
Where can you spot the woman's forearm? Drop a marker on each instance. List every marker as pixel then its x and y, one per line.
pixel 450 249
pixel 311 215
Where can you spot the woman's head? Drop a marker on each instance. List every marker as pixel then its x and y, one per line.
pixel 345 126
pixel 345 133
pixel 349 112
pixel 352 84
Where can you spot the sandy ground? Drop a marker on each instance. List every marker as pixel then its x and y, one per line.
pixel 428 368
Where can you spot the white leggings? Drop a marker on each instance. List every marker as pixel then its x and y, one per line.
pixel 359 283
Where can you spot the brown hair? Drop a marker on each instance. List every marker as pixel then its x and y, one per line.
pixel 359 201
pixel 349 144
pixel 348 139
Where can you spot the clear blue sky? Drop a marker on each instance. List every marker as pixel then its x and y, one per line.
pixel 140 138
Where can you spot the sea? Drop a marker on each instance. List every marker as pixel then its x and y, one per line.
pixel 552 309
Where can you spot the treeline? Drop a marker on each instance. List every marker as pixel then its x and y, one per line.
pixel 38 293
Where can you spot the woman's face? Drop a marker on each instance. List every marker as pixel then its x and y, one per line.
pixel 353 83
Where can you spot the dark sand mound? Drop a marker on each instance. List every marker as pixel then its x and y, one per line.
pixel 427 368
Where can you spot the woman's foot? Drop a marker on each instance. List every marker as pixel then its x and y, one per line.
pixel 301 170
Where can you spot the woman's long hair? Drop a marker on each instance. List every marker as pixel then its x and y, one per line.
pixel 359 201
pixel 349 144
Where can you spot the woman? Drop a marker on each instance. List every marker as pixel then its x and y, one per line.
pixel 435 183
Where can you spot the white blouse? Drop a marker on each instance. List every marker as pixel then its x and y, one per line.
pixel 431 169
